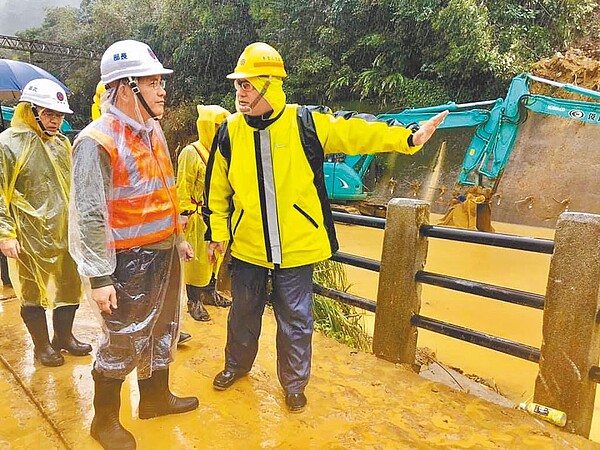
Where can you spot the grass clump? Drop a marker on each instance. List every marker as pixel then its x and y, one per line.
pixel 335 319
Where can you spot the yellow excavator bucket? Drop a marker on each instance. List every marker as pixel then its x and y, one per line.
pixel 471 211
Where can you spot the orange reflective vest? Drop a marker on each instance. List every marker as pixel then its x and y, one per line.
pixel 142 206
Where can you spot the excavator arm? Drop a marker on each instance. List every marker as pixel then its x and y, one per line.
pixel 497 127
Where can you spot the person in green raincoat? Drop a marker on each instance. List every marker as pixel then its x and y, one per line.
pixel 191 168
pixel 35 174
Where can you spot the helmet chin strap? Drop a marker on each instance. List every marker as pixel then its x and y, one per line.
pixel 133 84
pixel 261 94
pixel 38 119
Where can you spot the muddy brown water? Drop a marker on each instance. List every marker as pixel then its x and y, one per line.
pixel 526 271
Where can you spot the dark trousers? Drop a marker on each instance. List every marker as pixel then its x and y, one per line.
pixel 4 270
pixel 142 332
pixel 292 303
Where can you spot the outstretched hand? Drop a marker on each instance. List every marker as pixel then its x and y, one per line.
pixel 424 133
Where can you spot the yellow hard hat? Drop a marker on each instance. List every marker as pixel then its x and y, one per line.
pixel 259 59
pixel 100 89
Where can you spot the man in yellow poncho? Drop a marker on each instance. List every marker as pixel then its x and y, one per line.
pixel 199 273
pixel 35 177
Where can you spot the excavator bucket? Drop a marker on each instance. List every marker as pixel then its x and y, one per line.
pixel 484 217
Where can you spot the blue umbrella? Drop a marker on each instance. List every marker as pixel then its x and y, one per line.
pixel 14 75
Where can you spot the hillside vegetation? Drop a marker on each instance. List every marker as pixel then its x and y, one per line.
pixel 388 53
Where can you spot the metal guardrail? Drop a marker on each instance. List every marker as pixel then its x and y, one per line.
pixel 398 311
pixel 486 290
pixel 353 260
pixel 475 337
pixel 458 284
pixel 493 239
pixel 357 261
pixel 345 297
pixel 355 219
pixel 482 289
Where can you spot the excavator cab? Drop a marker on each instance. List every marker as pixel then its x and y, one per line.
pixel 344 176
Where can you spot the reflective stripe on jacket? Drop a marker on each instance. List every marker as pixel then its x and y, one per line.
pixel 265 189
pixel 142 208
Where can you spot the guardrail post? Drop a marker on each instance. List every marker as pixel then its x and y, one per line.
pixel 399 295
pixel 571 334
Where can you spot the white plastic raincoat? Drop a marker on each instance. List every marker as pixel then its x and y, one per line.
pixel 124 231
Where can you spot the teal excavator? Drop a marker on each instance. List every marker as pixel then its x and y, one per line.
pixel 496 125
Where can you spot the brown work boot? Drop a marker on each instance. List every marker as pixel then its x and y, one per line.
pixel 210 296
pixel 156 399
pixel 198 311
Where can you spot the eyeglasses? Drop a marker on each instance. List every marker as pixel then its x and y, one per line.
pixel 51 114
pixel 243 85
pixel 157 84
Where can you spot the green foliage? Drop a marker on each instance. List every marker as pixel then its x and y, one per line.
pixel 335 319
pixel 395 53
pixel 202 40
pixel 179 125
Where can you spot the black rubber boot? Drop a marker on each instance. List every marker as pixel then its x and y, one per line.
pixel 62 319
pixel 35 321
pixel 210 296
pixel 157 400
pixel 106 427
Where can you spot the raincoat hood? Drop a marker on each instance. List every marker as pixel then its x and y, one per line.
pixel 209 119
pixel 274 94
pixel 23 118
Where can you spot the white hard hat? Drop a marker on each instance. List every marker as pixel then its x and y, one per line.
pixel 129 58
pixel 47 94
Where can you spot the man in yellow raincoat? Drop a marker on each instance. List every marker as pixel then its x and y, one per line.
pixel 191 168
pixel 35 176
pixel 265 192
